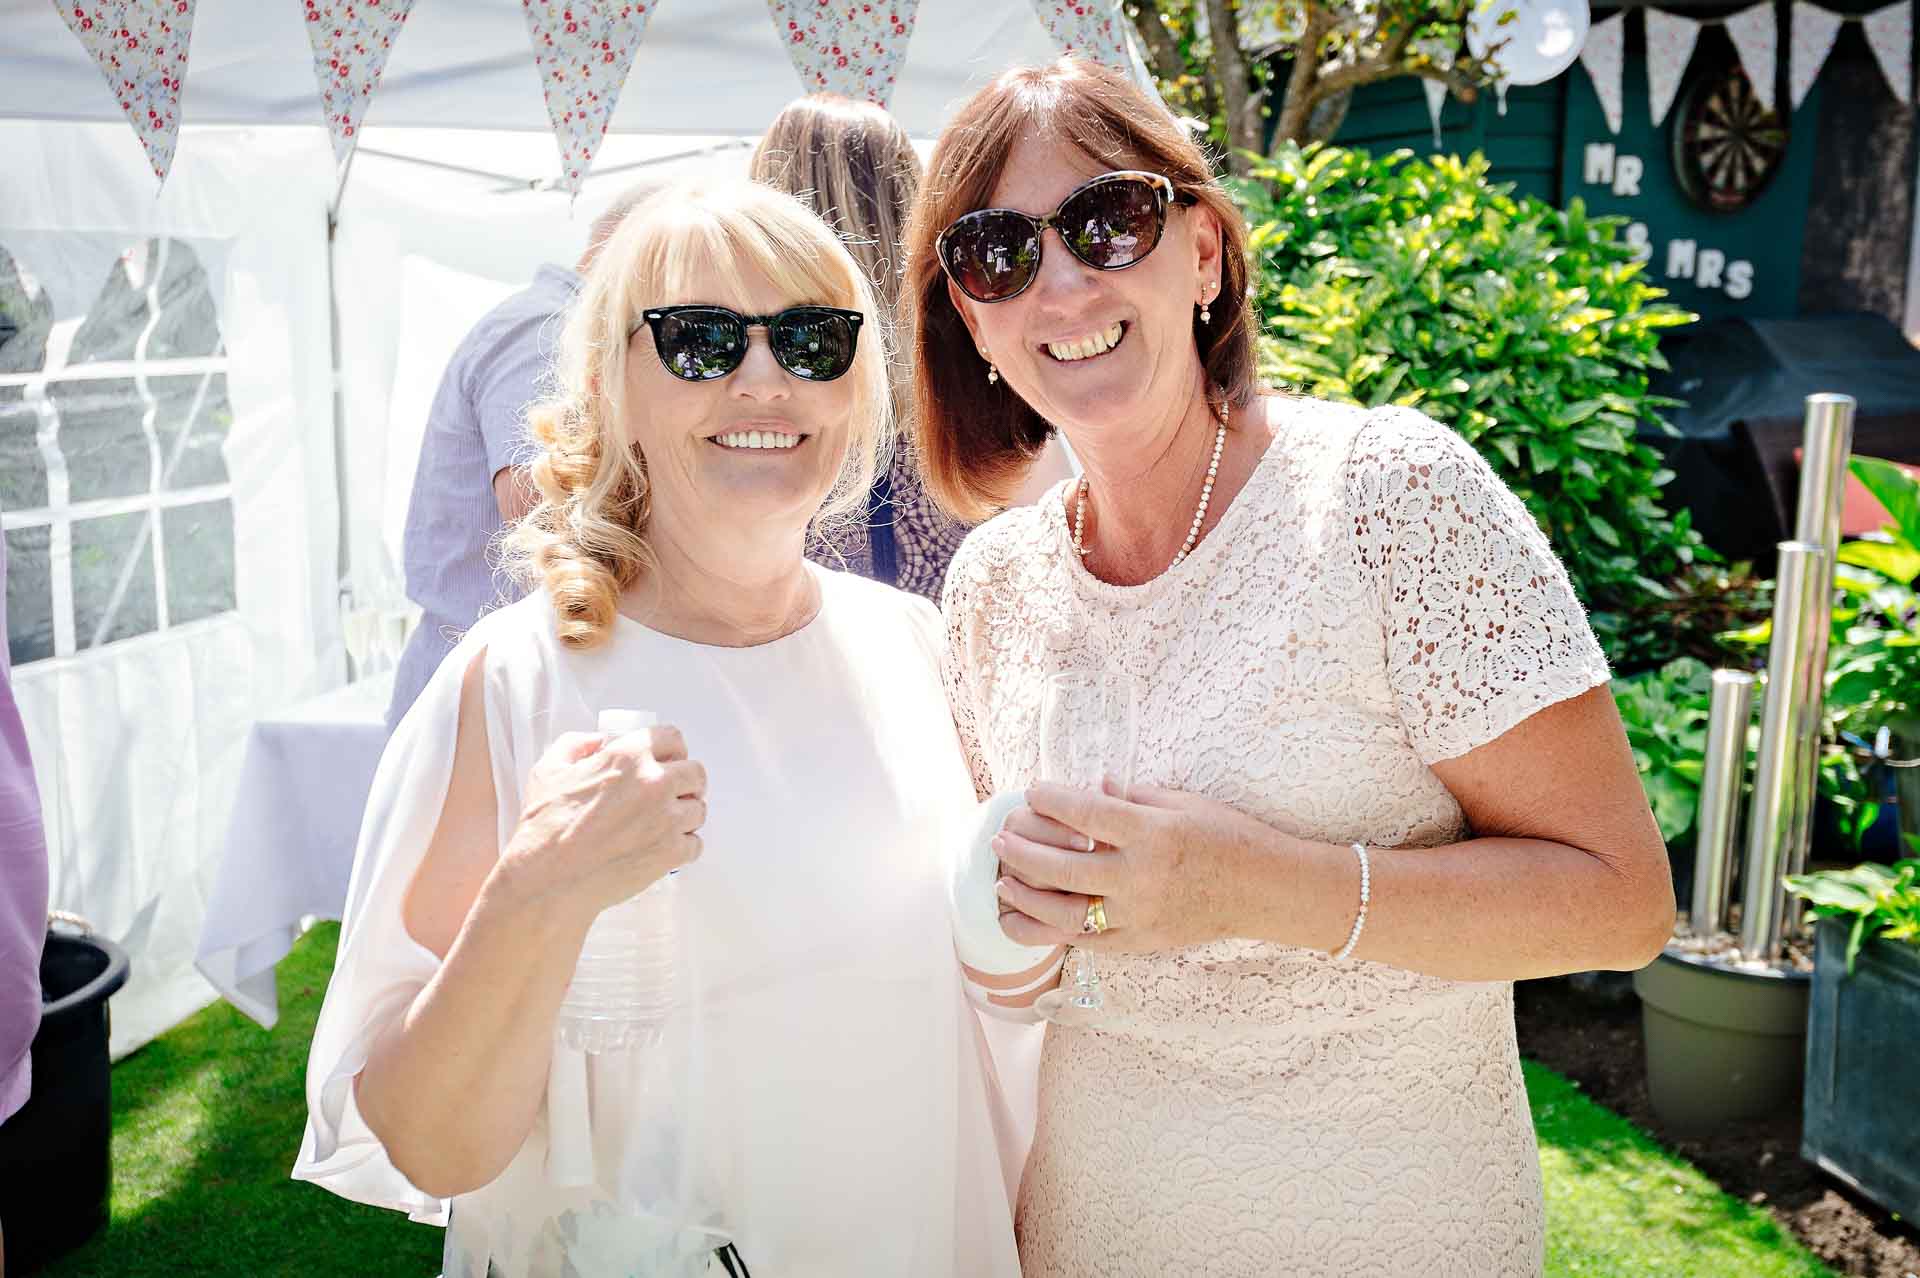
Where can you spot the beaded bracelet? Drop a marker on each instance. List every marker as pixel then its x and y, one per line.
pixel 1366 896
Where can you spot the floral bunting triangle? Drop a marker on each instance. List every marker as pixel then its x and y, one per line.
pixel 1092 29
pixel 1756 36
pixel 140 47
pixel 850 47
pixel 1670 42
pixel 1889 33
pixel 1604 57
pixel 583 50
pixel 1814 30
pixel 351 40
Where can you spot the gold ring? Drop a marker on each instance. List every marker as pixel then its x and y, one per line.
pixel 1096 920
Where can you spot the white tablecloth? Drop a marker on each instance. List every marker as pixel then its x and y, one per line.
pixel 303 788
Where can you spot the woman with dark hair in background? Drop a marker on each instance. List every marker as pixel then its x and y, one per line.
pixel 854 165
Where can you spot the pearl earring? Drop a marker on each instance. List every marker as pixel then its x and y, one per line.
pixel 993 375
pixel 1206 316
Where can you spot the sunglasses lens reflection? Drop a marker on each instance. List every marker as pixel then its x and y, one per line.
pixel 816 345
pixel 702 345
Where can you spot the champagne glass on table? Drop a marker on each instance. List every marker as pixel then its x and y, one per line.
pixel 357 629
pixel 1089 726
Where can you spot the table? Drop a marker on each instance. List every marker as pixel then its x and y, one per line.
pixel 289 852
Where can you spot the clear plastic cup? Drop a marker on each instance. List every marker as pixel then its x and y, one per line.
pixel 623 984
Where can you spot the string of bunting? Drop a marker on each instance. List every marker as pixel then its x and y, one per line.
pixel 582 51
pixel 1755 34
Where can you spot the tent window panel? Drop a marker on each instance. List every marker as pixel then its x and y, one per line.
pixel 26 317
pixel 103 438
pixel 23 471
pixel 113 587
pixel 157 285
pixel 189 327
pixel 29 594
pixel 191 420
pixel 199 553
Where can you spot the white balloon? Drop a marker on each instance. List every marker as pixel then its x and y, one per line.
pixel 1542 39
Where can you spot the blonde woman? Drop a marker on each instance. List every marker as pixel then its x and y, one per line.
pixel 827 1110
pixel 854 165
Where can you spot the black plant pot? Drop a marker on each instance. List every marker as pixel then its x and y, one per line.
pixel 1862 1088
pixel 56 1151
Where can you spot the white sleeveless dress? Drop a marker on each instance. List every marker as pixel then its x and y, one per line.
pixel 834 1110
pixel 1373 601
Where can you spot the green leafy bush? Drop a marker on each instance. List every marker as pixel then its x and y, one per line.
pixel 1665 713
pixel 1390 279
pixel 1882 900
pixel 1873 668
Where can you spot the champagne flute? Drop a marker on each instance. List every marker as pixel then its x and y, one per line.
pixel 1089 725
pixel 357 629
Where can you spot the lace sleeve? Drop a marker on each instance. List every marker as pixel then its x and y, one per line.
pixel 1482 626
pixel 958 663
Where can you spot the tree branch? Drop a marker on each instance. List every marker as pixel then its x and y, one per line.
pixel 1304 81
pixel 1230 71
pixel 1162 50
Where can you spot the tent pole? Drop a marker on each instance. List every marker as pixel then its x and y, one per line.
pixel 343 546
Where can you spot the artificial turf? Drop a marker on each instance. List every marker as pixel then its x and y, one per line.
pixel 208 1118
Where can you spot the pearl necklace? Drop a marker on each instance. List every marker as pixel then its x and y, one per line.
pixel 1199 515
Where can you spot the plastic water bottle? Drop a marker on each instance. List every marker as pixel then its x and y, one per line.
pixel 623 985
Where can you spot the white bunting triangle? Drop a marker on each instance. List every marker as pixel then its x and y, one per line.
pixel 1755 34
pixel 1889 33
pixel 583 50
pixel 846 47
pixel 1093 29
pixel 140 47
pixel 1814 30
pixel 1604 57
pixel 351 40
pixel 1670 42
pixel 1436 99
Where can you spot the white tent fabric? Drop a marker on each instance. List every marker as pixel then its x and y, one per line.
pixel 333 334
pixel 136 742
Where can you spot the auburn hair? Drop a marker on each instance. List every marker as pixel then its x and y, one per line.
pixel 976 440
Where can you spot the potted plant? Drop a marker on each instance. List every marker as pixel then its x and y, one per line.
pixel 1873 671
pixel 1862 1022
pixel 56 1151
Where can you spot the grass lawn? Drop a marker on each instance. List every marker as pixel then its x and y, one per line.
pixel 207 1120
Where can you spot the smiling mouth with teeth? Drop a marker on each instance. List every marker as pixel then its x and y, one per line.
pixel 768 439
pixel 1089 346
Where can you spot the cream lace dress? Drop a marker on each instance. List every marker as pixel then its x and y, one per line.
pixel 1373 601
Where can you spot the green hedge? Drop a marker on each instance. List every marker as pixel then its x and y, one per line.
pixel 1529 329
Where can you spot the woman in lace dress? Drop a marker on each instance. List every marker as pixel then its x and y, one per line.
pixel 1381 776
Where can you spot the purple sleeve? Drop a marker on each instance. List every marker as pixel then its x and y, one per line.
pixel 503 378
pixel 23 888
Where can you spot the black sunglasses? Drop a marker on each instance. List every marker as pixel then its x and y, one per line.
pixel 1110 223
pixel 698 343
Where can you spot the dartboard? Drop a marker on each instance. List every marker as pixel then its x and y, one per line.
pixel 1727 144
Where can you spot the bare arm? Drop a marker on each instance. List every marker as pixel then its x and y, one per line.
pixel 1566 871
pixel 453 1088
pixel 513 493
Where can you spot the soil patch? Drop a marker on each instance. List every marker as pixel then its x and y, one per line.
pixel 1589 1030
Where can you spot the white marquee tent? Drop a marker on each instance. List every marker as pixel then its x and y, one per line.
pixel 209 412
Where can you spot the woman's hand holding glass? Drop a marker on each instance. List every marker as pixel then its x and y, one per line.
pixel 607 817
pixel 1170 865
